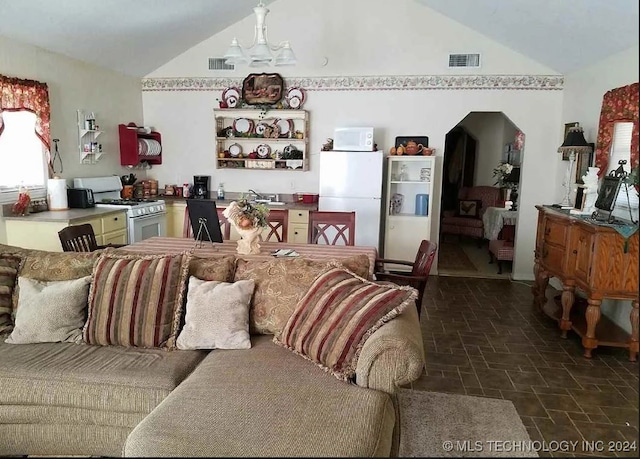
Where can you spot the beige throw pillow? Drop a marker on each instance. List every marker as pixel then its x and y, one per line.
pixel 50 311
pixel 217 315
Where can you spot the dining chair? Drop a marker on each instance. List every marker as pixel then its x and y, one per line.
pixel 417 277
pixel 332 228
pixel 225 226
pixel 81 238
pixel 277 224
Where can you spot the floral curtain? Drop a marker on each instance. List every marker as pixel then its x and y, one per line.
pixel 618 105
pixel 17 94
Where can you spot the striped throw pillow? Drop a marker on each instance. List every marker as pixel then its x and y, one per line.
pixel 136 300
pixel 335 317
pixel 9 266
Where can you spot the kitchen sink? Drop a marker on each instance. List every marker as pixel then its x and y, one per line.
pixel 269 202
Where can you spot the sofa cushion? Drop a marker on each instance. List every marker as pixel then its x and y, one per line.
pixel 50 311
pixel 55 266
pixel 265 402
pixel 213 269
pixel 469 208
pixel 66 383
pixel 336 316
pixel 217 315
pixel 9 266
pixel 281 282
pixel 136 300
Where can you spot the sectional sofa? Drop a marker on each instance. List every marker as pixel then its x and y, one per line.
pixel 91 393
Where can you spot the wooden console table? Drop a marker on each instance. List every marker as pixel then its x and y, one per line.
pixel 598 260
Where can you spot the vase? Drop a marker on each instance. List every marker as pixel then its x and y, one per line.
pixel 506 194
pixel 248 244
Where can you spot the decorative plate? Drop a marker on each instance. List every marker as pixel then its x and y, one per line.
pixel 231 92
pixel 260 128
pixel 235 150
pixel 292 94
pixel 263 150
pixel 243 126
pixel 286 126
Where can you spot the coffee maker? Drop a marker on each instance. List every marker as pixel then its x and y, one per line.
pixel 201 186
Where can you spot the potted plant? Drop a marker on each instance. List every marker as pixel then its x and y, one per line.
pixel 500 173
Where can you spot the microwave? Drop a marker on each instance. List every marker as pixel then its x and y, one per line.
pixel 353 139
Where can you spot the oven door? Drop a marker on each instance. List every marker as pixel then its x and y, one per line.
pixel 141 228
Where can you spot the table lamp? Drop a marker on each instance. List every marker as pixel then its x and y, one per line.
pixel 573 144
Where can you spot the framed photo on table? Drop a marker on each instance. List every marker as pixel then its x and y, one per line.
pixel 608 193
pixel 584 161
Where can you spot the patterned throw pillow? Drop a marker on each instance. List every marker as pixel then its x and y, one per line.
pixel 136 300
pixel 55 266
pixel 213 269
pixel 337 315
pixel 469 208
pixel 9 266
pixel 281 282
pixel 217 315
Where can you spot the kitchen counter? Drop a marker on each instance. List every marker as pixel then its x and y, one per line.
pixel 69 215
pixel 226 202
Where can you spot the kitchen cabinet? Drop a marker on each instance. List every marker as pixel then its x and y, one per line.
pixel 246 131
pixel 175 217
pixel 40 230
pixel 409 203
pixel 298 226
pixel 89 148
pixel 137 146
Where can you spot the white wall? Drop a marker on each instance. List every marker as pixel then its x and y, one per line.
pixel 73 85
pixel 582 102
pixel 395 39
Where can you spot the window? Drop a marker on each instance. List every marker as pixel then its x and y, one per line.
pixel 621 150
pixel 22 156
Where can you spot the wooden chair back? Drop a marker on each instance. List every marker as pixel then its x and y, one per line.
pixel 225 226
pixel 420 269
pixel 78 238
pixel 278 222
pixel 332 228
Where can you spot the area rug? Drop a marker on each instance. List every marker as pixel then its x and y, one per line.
pixel 451 256
pixel 434 424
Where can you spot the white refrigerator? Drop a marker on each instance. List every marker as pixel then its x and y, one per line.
pixel 352 181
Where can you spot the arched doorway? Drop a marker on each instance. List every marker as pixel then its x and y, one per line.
pixel 474 147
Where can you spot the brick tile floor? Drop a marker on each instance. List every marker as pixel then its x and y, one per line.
pixel 483 337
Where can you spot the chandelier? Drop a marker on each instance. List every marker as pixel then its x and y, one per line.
pixel 260 51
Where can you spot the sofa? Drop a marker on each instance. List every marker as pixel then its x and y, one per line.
pixel 472 202
pixel 85 394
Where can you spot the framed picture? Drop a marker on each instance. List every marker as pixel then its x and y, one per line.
pixel 608 193
pixel 567 126
pixel 584 161
pixel 262 88
pixel 579 204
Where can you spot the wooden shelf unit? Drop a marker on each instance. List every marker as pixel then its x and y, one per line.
pixel 129 136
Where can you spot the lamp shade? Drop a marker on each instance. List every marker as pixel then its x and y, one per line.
pixel 574 141
pixel 286 56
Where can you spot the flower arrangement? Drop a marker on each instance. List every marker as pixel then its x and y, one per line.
pixel 251 215
pixel 500 173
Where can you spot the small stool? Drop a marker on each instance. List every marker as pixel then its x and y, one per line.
pixel 500 250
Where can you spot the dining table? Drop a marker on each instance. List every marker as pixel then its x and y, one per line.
pixel 162 244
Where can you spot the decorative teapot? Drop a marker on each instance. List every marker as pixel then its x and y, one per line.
pixel 413 148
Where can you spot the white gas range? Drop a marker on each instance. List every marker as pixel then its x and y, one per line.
pixel 145 217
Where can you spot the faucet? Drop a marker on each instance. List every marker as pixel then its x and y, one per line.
pixel 257 195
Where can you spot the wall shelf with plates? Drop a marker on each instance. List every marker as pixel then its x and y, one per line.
pixel 88 132
pixel 252 138
pixel 138 145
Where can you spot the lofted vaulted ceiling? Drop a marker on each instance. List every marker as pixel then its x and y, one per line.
pixel 136 37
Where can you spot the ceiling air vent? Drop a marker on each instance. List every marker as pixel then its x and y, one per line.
pixel 464 60
pixel 217 63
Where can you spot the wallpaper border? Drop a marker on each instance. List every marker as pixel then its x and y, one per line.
pixel 370 83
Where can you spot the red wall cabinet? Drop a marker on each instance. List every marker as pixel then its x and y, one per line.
pixel 137 146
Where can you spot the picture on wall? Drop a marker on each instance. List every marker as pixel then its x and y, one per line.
pixel 262 88
pixel 584 161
